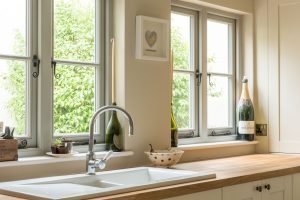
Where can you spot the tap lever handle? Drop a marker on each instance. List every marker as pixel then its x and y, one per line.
pixel 102 162
pixel 108 155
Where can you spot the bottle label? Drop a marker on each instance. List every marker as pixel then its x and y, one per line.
pixel 246 127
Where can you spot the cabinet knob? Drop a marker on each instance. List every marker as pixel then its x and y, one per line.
pixel 259 188
pixel 268 186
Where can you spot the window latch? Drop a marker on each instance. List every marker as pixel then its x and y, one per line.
pixel 53 65
pixel 209 80
pixel 198 76
pixel 36 65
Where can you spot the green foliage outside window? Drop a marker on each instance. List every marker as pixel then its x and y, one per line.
pixel 180 98
pixel 74 86
pixel 74 89
pixel 14 82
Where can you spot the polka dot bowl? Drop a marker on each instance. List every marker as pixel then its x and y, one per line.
pixel 164 158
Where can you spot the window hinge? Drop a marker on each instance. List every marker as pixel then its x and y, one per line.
pixel 215 133
pixel 36 65
pixel 198 77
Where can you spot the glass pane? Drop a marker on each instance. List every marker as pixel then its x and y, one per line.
pixel 73 99
pixel 13 27
pixel 218 47
pixel 182 100
pixel 219 102
pixel 13 95
pixel 181 40
pixel 74 30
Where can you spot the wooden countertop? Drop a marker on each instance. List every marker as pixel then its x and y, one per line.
pixel 229 171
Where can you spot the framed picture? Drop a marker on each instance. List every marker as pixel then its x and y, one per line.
pixel 152 38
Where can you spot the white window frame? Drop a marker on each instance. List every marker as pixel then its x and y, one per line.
pixel 202 134
pixel 99 74
pixel 194 62
pixel 98 64
pixel 41 117
pixel 231 74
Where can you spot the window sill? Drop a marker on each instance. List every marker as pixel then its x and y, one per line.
pixel 215 145
pixel 37 160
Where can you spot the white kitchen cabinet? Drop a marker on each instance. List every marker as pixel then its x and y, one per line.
pixel 296 186
pixel 246 191
pixel 206 195
pixel 284 61
pixel 279 188
pixel 277 60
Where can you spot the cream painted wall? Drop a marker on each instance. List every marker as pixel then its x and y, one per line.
pixel 213 153
pixel 143 86
pixel 261 72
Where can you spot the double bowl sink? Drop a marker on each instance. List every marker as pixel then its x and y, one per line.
pixel 84 186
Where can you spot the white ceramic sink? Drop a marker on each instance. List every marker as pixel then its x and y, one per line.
pixel 83 186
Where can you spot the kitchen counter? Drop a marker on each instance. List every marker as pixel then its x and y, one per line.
pixel 229 171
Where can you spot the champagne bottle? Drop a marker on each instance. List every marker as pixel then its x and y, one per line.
pixel 174 130
pixel 113 136
pixel 246 126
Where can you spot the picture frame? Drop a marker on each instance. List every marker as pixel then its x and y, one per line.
pixel 152 38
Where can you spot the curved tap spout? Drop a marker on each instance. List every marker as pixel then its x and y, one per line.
pixel 90 154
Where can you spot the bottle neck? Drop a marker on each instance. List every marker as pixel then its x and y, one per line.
pixel 245 91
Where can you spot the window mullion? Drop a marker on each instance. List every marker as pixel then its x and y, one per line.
pixel 195 28
pixel 31 120
pixel 99 58
pixel 45 82
pixel 203 87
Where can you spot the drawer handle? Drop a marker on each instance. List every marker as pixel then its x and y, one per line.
pixel 268 186
pixel 259 188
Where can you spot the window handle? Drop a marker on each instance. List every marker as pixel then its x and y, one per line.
pixel 199 77
pixel 53 65
pixel 36 64
pixel 209 80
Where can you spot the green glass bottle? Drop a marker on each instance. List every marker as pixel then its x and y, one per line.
pixel 246 124
pixel 174 130
pixel 113 136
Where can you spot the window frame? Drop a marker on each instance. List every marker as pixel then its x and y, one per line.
pixel 31 82
pixel 100 77
pixel 204 13
pixel 194 63
pixel 231 74
pixel 41 116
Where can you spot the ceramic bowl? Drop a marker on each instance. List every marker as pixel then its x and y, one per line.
pixel 164 158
